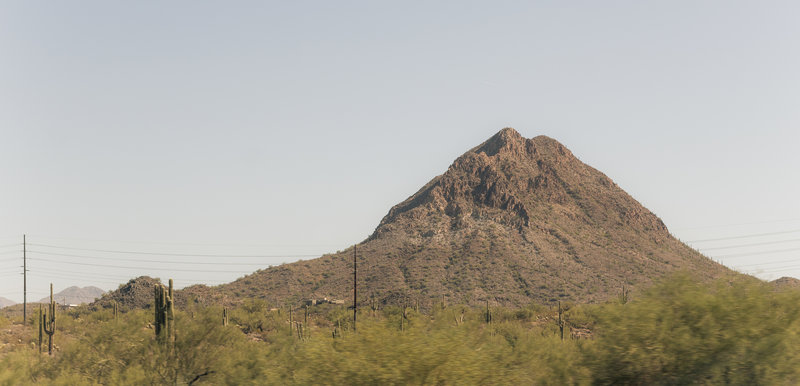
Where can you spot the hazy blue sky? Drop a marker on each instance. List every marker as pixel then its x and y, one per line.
pixel 290 128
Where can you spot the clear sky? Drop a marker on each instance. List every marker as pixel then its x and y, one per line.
pixel 288 129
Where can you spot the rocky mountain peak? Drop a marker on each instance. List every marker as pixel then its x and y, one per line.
pixel 508 179
pixel 506 140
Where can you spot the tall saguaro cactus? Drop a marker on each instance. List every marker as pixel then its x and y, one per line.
pixel 48 322
pixel 355 285
pixel 291 330
pixel 624 296
pixel 164 313
pixel 560 320
pixel 306 327
pixel 404 316
pixel 41 326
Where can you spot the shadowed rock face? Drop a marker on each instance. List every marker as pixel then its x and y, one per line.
pixel 512 220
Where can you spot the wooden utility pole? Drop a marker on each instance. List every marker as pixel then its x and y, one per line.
pixel 355 287
pixel 24 282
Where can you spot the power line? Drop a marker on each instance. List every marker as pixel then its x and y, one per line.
pixel 775 269
pixel 125 267
pixel 165 253
pixel 81 275
pixel 122 278
pixel 757 253
pixel 188 243
pixel 145 261
pixel 744 236
pixel 752 244
pixel 744 223
pixel 58 276
pixel 769 262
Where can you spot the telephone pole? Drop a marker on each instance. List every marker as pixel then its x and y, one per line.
pixel 24 282
pixel 355 288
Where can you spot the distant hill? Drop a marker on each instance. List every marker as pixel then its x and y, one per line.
pixel 136 293
pixel 75 295
pixel 6 302
pixel 786 282
pixel 511 221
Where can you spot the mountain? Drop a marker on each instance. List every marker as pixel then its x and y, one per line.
pixel 6 302
pixel 75 295
pixel 512 220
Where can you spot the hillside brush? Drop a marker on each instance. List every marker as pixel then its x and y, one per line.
pixel 164 313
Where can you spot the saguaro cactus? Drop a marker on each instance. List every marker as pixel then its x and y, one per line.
pixel 404 316
pixel 225 316
pixel 41 326
pixel 624 296
pixel 306 327
pixel 164 313
pixel 49 319
pixel 488 313
pixel 114 303
pixel 560 320
pixel 291 321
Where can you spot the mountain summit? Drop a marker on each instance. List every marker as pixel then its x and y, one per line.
pixel 525 184
pixel 512 220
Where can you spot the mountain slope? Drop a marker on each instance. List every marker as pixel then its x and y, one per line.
pixel 512 220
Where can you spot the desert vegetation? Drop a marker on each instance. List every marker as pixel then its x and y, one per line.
pixel 736 330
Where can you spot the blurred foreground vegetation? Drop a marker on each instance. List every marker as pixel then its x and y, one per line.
pixel 733 331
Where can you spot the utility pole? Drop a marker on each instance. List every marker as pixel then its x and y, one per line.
pixel 355 287
pixel 24 282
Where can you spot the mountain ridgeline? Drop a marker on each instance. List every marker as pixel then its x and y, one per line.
pixel 512 221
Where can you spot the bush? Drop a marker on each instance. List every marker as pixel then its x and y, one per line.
pixel 738 331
